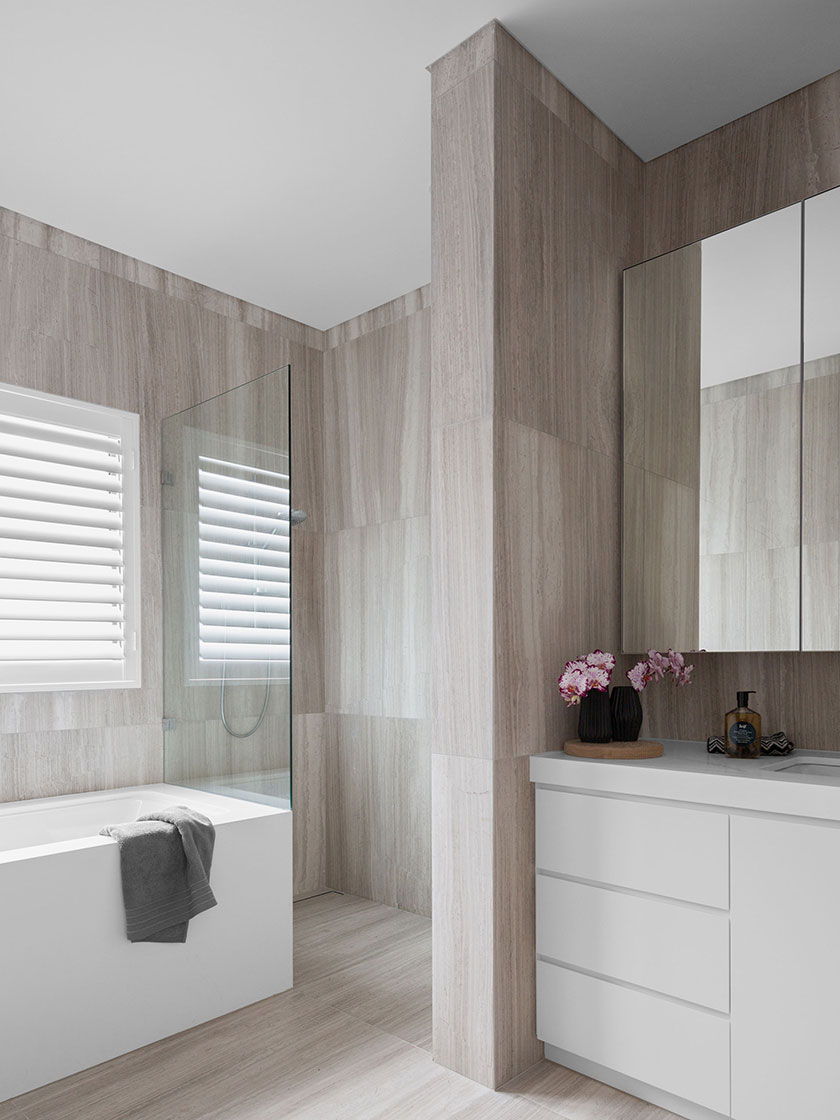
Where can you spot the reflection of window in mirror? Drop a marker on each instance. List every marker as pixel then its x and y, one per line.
pixel 821 425
pixel 749 435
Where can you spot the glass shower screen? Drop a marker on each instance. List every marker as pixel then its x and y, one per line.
pixel 227 593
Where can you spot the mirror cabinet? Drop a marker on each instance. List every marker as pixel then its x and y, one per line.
pixel 731 504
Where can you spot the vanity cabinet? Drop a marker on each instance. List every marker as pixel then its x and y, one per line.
pixel 785 969
pixel 633 941
pixel 687 945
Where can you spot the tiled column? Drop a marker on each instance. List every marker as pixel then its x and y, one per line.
pixel 534 216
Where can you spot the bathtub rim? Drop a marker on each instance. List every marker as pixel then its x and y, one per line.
pixel 221 809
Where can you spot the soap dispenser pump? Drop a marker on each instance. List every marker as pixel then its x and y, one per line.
pixel 743 729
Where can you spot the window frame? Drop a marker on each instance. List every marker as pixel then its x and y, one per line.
pixel 56 675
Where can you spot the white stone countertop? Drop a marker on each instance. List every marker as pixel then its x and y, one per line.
pixel 688 773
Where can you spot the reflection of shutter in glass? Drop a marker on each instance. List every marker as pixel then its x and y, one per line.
pixel 244 605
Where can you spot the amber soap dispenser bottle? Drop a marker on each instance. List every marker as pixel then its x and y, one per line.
pixel 743 729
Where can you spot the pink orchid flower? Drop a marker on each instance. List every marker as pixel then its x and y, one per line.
pixel 656 665
pixel 586 674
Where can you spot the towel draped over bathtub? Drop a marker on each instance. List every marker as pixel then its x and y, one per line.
pixel 165 861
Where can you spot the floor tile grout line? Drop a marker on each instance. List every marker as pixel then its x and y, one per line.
pixel 379 1029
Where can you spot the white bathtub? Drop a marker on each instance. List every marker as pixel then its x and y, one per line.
pixel 75 992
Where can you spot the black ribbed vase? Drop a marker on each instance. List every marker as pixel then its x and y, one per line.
pixel 626 713
pixel 594 724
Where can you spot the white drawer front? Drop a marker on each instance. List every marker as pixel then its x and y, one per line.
pixel 660 849
pixel 676 1048
pixel 664 946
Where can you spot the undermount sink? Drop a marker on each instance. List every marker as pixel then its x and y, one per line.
pixel 828 769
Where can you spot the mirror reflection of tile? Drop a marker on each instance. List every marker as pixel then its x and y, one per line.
pixel 731 458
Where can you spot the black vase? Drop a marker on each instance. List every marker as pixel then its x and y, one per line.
pixel 594 724
pixel 626 713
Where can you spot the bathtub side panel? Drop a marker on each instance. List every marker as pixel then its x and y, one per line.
pixel 76 992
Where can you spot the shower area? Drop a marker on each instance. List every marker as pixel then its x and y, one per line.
pixel 227 587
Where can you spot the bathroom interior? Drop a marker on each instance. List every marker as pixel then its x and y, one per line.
pixel 301 518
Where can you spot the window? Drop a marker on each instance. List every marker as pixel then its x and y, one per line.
pixel 244 615
pixel 69 544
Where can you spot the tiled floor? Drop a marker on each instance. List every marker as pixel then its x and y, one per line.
pixel 351 1042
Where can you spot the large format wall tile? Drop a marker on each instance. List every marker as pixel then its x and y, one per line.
pixel 307 429
pixel 394 311
pixel 562 238
pixel 463 915
pixel 313 747
pixel 556 579
pixel 49 763
pixel 768 159
pixel 376 425
pixel 515 1046
pixel 463 637
pixel 540 587
pixel 380 810
pixel 662 366
pixel 462 261
pixel 377 619
pixel 526 348
pixel 377 601
pixel 483 850
pixel 308 622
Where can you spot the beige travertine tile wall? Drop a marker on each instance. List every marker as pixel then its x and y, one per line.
pixel 377 595
pixel 85 322
pixel 536 210
pixel 661 569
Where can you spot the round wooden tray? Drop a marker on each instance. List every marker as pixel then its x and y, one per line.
pixel 642 748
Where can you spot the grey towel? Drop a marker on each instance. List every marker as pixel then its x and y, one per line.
pixel 165 861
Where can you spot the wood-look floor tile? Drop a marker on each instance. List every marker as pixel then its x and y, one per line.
pixel 575 1097
pixel 391 990
pixel 334 932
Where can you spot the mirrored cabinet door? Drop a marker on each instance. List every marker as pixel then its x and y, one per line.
pixel 821 424
pixel 712 442
pixel 750 435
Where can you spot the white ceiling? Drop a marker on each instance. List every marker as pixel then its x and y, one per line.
pixel 280 151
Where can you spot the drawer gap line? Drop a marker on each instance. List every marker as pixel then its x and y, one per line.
pixel 684 902
pixel 634 987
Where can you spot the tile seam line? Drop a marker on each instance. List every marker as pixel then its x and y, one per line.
pixel 320 349
pixel 497 64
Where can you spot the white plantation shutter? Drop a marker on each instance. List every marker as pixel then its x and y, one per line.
pixel 243 558
pixel 69 527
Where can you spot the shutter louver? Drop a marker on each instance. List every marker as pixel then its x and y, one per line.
pixel 63 529
pixel 243 560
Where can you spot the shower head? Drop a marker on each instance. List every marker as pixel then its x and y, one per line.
pixel 296 516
